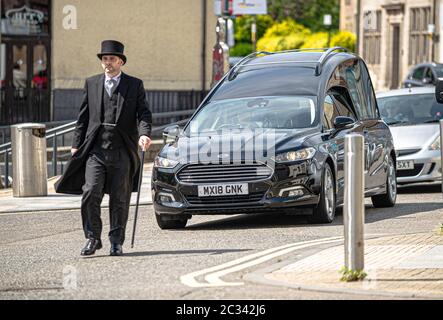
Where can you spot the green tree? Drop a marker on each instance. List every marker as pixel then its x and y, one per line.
pixel 242 35
pixel 316 40
pixel 242 27
pixel 285 35
pixel 307 12
pixel 344 39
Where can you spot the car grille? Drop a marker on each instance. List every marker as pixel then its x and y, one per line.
pixel 223 173
pixel 410 173
pixel 407 152
pixel 226 200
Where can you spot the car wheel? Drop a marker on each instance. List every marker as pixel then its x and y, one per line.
pixel 166 222
pixel 324 212
pixel 388 199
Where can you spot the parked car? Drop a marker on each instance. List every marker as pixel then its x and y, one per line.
pixel 423 74
pixel 307 102
pixel 413 116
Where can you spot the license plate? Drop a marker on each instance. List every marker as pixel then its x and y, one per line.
pixel 223 190
pixel 405 165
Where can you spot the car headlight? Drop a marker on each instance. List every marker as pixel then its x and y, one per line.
pixel 160 162
pixel 435 145
pixel 303 154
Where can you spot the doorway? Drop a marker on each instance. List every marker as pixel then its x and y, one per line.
pixel 25 81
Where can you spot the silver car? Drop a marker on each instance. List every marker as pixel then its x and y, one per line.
pixel 413 116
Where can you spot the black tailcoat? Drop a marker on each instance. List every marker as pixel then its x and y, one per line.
pixel 133 120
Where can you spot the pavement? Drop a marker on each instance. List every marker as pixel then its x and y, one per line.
pixel 401 266
pixel 409 265
pixel 56 201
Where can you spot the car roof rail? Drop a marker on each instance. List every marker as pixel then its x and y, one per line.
pixel 327 53
pixel 325 56
pixel 233 71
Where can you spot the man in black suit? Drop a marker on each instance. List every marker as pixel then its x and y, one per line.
pixel 113 119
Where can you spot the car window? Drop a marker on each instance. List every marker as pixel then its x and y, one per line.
pixel 439 71
pixel 356 86
pixel 289 112
pixel 329 113
pixel 418 73
pixel 333 107
pixel 429 74
pixel 369 91
pixel 410 109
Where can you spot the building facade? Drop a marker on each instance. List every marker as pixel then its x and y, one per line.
pixel 49 47
pixel 394 35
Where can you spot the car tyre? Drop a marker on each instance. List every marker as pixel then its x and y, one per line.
pixel 324 212
pixel 389 198
pixel 166 223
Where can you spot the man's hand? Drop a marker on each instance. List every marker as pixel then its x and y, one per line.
pixel 144 142
pixel 73 151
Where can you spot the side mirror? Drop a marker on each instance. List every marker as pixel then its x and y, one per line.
pixel 427 80
pixel 171 132
pixel 439 90
pixel 341 122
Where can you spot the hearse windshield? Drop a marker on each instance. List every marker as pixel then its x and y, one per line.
pixel 277 112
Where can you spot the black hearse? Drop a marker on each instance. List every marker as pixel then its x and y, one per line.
pixel 270 135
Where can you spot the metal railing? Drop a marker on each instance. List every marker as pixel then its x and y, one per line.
pixel 59 141
pixel 20 105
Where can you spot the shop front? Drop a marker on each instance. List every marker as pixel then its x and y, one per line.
pixel 25 68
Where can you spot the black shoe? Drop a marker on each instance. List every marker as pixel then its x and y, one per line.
pixel 91 246
pixel 116 249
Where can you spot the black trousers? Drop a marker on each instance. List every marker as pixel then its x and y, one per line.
pixel 112 168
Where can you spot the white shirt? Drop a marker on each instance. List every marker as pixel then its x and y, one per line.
pixel 116 79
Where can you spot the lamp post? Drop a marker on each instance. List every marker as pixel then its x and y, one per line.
pixel 327 21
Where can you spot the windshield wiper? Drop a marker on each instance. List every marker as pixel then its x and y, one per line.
pixel 396 122
pixel 432 121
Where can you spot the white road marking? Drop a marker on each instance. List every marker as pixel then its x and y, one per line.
pixel 213 277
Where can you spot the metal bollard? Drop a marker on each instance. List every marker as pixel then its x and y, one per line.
pixel 354 202
pixel 441 151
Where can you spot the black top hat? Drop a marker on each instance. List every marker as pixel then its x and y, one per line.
pixel 112 48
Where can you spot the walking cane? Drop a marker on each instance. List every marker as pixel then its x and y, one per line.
pixel 138 198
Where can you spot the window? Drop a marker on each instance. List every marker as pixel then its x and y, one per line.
pixel 23 17
pixel 428 76
pixel 418 38
pixel 328 118
pixel 418 73
pixel 358 91
pixel 410 109
pixel 369 91
pixel 289 112
pixel 334 107
pixel 372 41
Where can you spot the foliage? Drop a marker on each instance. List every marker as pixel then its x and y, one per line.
pixel 242 27
pixel 307 12
pixel 242 34
pixel 293 41
pixel 344 39
pixel 286 28
pixel 240 50
pixel 352 275
pixel 285 35
pixel 316 40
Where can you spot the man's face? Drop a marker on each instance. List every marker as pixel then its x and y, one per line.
pixel 111 64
